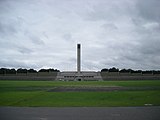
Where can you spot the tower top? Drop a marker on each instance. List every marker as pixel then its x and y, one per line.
pixel 79 46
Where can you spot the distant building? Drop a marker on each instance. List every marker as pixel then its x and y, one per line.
pixel 79 75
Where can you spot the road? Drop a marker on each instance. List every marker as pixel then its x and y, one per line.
pixel 80 113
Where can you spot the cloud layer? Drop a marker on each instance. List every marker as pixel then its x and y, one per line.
pixel 44 33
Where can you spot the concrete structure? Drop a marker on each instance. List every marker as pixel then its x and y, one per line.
pixel 79 58
pixel 85 75
pixel 75 76
pixel 79 75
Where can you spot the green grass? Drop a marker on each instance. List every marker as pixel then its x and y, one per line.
pixel 73 83
pixel 34 93
pixel 62 99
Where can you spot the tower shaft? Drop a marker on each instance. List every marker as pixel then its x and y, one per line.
pixel 78 58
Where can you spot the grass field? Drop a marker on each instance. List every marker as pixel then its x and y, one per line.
pixel 36 93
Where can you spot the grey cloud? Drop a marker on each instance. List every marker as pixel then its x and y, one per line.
pixel 109 10
pixel 110 26
pixel 24 50
pixel 143 56
pixel 35 39
pixel 7 29
pixel 120 33
pixel 45 35
pixel 149 9
pixel 68 37
pixel 14 64
pixel 151 47
pixel 144 26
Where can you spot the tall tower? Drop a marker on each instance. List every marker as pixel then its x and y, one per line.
pixel 78 58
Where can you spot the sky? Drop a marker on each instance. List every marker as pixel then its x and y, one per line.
pixel 112 33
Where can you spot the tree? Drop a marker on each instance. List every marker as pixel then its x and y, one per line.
pixel 126 70
pixel 7 71
pixel 20 70
pixel 156 72
pixel 147 72
pixel 48 70
pixel 43 70
pixel 12 71
pixel 136 71
pixel 53 70
pixel 113 69
pixel 104 70
pixel 32 71
pixel 3 71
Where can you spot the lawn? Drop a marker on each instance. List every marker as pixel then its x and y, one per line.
pixel 35 93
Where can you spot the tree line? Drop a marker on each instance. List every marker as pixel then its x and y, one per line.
pixel 113 69
pixel 23 70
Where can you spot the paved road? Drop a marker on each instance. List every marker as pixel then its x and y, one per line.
pixel 80 113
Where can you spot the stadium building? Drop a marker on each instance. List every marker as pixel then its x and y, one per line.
pixel 79 75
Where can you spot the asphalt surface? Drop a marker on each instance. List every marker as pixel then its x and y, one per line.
pixel 80 113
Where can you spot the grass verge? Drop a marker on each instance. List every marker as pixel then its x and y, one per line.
pixel 34 93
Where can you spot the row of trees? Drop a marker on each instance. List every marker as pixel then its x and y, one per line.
pixel 113 69
pixel 21 70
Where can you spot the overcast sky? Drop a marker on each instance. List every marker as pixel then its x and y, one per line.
pixel 113 33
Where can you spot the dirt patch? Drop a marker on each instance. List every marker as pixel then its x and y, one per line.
pixel 80 89
pixel 98 89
